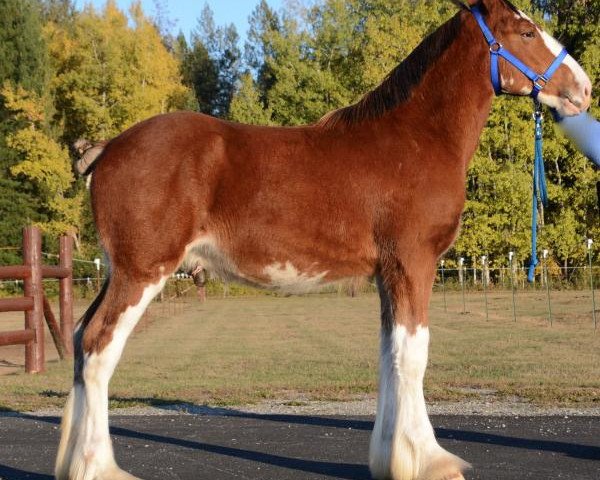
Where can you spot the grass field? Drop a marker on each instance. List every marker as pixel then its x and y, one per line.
pixel 239 350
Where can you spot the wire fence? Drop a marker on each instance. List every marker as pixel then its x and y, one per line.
pixel 556 293
pixel 500 292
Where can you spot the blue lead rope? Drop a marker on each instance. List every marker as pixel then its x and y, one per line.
pixel 539 185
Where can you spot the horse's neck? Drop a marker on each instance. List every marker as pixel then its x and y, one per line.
pixel 453 100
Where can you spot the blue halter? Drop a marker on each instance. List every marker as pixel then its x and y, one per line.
pixel 497 51
pixel 539 82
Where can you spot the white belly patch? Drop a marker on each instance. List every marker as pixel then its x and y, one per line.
pixel 289 279
pixel 286 277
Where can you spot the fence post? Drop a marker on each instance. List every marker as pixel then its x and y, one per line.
pixel 444 287
pixel 589 249
pixel 97 263
pixel 484 282
pixel 547 281
pixel 66 294
pixel 511 254
pixel 32 257
pixel 461 266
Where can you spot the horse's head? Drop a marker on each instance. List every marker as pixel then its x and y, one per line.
pixel 569 88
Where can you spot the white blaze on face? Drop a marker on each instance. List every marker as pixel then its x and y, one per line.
pixel 575 100
pixel 555 47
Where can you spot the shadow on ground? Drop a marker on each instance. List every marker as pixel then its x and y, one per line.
pixel 143 430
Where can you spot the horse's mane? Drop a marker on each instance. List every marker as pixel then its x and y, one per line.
pixel 396 87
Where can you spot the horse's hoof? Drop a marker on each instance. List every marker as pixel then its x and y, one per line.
pixel 116 473
pixel 458 476
pixel 445 466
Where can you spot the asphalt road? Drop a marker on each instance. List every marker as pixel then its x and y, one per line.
pixel 249 446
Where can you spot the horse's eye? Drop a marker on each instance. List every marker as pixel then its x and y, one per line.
pixel 528 34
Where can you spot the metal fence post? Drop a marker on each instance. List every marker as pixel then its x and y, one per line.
pixel 97 263
pixel 589 249
pixel 511 254
pixel 461 264
pixel 444 287
pixel 484 283
pixel 547 282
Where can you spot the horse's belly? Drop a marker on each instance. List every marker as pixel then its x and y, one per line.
pixel 276 275
pixel 292 273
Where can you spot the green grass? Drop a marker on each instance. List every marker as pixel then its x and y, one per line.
pixel 239 350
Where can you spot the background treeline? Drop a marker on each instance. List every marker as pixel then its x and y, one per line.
pixel 66 74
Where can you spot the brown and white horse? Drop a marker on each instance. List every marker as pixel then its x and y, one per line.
pixel 376 188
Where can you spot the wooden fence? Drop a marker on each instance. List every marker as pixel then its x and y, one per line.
pixel 34 303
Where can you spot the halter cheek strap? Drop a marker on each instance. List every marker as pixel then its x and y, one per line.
pixel 497 51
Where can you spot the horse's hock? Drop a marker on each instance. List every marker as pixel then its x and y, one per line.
pixel 34 303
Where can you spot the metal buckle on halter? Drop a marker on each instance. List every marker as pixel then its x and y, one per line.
pixel 496 47
pixel 539 86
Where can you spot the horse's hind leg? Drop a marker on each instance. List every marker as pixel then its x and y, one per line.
pixel 85 451
pixel 403 444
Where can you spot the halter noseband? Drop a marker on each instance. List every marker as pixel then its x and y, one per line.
pixel 497 50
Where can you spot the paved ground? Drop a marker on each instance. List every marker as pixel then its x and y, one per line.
pixel 251 446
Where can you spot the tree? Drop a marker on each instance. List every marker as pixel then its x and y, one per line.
pixel 23 61
pixel 61 12
pixel 111 75
pixel 23 58
pixel 246 106
pixel 43 162
pixel 199 73
pixel 296 79
pixel 216 49
pixel 264 22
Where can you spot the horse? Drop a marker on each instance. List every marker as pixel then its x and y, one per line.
pixel 375 188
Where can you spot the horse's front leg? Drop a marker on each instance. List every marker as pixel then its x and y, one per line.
pixel 403 444
pixel 85 451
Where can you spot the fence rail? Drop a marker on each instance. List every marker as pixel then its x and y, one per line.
pixel 34 303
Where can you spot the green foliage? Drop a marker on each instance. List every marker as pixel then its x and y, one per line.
pixel 23 60
pixel 23 57
pixel 110 75
pixel 246 106
pixel 199 73
pixel 44 162
pixel 213 66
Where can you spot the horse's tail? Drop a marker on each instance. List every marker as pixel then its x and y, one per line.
pixel 89 153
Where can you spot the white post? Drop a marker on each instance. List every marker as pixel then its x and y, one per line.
pixel 589 249
pixel 97 263
pixel 484 281
pixel 461 276
pixel 511 254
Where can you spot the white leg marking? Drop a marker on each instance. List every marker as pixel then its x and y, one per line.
pixel 403 444
pixel 403 438
pixel 92 457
